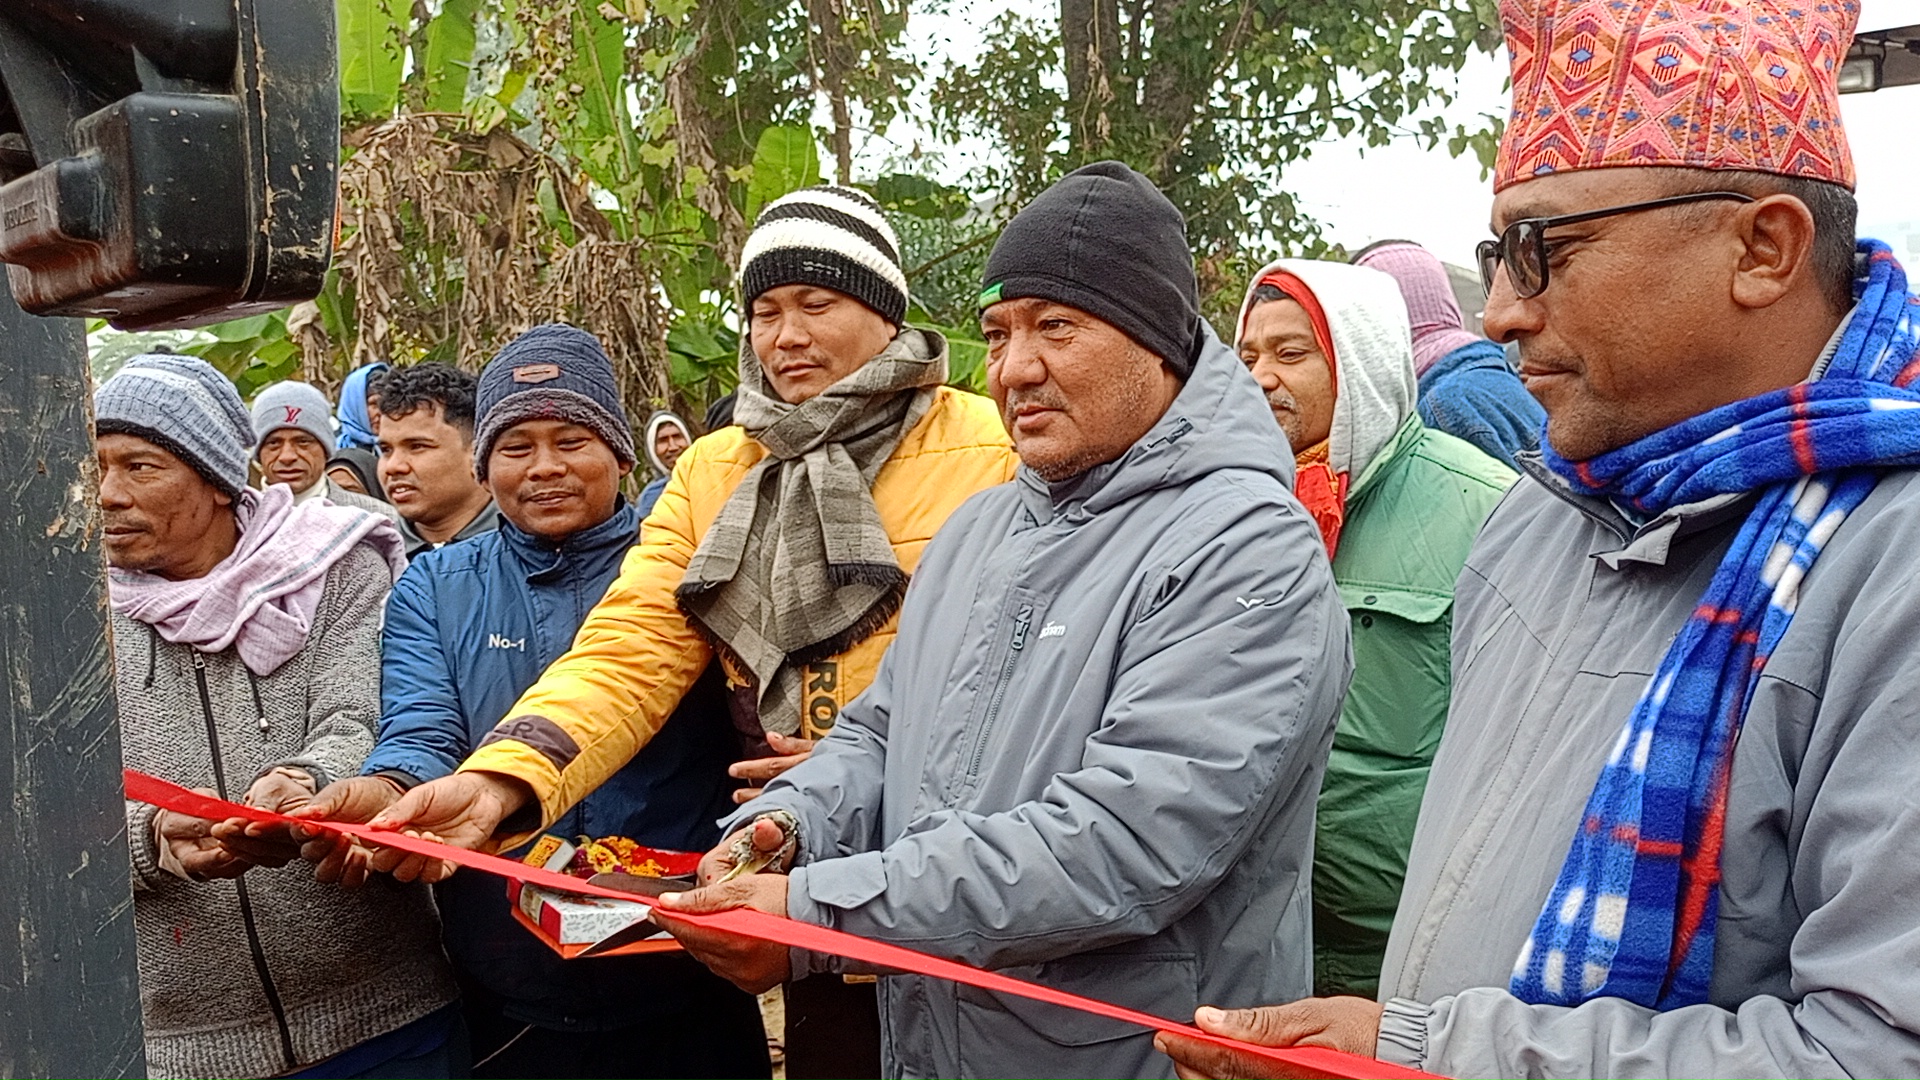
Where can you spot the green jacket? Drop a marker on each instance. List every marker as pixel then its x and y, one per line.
pixel 1410 520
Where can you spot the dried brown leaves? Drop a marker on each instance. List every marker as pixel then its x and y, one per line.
pixel 447 251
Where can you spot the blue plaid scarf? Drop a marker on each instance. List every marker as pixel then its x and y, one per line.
pixel 1633 912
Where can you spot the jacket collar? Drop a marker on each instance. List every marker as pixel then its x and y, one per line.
pixel 1620 540
pixel 1408 436
pixel 543 557
pixel 487 520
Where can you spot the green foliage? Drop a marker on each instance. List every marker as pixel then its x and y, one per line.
pixel 705 359
pixel 448 61
pixel 966 356
pixel 785 159
pixel 671 123
pixel 1213 99
pixel 253 352
pixel 372 41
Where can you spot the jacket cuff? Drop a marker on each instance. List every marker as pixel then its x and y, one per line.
pixel 1403 1033
pixel 826 888
pixel 510 757
pixel 142 844
pixel 802 908
pixel 419 767
pixel 822 893
pixel 401 778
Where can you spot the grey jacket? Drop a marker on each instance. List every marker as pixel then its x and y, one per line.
pixel 1562 614
pixel 272 971
pixel 1091 757
pixel 487 520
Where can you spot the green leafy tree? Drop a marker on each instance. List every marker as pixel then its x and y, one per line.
pixel 1213 99
pixel 510 161
pixel 600 161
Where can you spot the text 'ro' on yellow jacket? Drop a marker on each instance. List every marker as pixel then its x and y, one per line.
pixel 636 655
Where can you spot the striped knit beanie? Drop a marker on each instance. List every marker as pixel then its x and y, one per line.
pixel 830 236
pixel 185 407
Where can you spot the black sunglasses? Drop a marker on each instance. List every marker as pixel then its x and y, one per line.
pixel 1522 247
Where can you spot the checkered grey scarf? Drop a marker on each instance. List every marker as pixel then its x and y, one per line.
pixel 797 567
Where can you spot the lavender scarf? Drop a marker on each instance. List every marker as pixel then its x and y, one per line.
pixel 262 598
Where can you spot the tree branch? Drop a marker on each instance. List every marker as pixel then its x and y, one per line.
pixel 976 242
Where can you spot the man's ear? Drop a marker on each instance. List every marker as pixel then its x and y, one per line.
pixel 1777 237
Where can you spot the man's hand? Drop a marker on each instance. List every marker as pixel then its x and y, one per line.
pixel 190 842
pixel 340 859
pixel 761 771
pixel 1349 1024
pixel 767 839
pixel 753 966
pixel 281 790
pixel 463 810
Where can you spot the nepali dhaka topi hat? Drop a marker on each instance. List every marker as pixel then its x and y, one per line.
pixel 1747 85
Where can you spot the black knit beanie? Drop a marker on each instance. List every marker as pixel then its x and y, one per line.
pixel 551 372
pixel 1106 241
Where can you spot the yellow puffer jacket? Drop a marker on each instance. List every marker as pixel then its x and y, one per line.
pixel 636 655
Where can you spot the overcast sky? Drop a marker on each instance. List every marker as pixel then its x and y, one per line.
pixel 1403 191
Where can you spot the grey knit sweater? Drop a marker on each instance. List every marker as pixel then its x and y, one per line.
pixel 274 971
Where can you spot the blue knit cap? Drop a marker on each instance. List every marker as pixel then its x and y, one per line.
pixel 551 372
pixel 184 406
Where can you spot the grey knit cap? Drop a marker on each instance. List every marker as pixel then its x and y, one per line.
pixel 184 406
pixel 293 405
pixel 551 372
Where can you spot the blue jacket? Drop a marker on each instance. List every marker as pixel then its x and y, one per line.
pixel 469 627
pixel 650 495
pixel 1472 394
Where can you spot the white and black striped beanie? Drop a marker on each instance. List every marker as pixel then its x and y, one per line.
pixel 830 236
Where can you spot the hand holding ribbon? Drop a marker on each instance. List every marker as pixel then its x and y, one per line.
pixel 745 922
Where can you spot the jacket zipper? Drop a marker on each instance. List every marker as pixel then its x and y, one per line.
pixel 1021 623
pixel 239 884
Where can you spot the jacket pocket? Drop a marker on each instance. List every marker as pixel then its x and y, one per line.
pixel 1163 983
pixel 1361 598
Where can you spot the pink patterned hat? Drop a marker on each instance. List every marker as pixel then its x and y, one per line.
pixel 1705 84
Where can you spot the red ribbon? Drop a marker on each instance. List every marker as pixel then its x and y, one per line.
pixel 1300 1061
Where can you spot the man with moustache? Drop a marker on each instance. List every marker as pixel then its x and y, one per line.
pixel 780 547
pixel 243 628
pixel 1398 505
pixel 1669 829
pixel 469 628
pixel 294 443
pixel 1090 759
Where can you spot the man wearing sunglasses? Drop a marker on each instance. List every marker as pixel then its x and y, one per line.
pixel 1670 829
